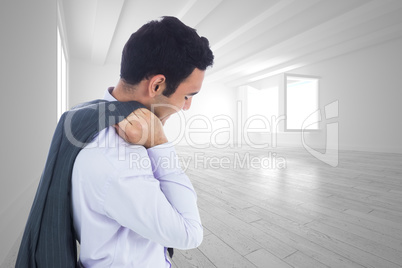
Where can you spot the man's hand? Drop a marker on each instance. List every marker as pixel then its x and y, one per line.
pixel 142 127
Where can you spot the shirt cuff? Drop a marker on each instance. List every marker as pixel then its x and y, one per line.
pixel 164 160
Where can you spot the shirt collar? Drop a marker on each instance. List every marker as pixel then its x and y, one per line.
pixel 108 95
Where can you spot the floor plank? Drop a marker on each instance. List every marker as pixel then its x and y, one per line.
pixel 221 254
pixel 191 259
pixel 263 258
pixel 301 260
pixel 306 215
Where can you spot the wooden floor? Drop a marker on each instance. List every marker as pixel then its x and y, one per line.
pixel 301 214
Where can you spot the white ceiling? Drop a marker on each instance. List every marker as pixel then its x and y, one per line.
pixel 251 39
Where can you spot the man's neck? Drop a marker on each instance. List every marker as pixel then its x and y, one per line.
pixel 122 92
pixel 119 94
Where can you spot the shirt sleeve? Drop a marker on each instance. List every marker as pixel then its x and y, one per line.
pixel 161 207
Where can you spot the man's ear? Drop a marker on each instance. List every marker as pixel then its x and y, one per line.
pixel 157 85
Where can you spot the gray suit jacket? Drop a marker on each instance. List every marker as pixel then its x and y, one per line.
pixel 49 239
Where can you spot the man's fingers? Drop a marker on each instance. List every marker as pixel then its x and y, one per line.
pixel 143 114
pixel 140 127
pixel 141 110
pixel 133 129
pixel 132 117
pixel 123 124
pixel 120 131
pixel 128 120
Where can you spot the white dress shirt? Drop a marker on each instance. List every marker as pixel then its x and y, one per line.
pixel 131 203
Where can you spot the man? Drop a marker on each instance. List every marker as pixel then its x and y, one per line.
pixel 132 202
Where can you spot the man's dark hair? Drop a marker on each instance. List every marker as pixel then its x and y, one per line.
pixel 167 47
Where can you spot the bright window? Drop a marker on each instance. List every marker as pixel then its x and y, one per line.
pixel 61 77
pixel 301 103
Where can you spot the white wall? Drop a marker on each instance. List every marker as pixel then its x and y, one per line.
pixel 367 84
pixel 207 122
pixel 28 106
pixel 89 81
